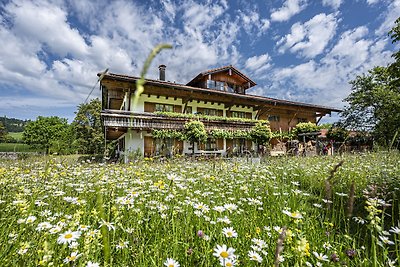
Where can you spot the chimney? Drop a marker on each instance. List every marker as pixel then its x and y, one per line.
pixel 162 72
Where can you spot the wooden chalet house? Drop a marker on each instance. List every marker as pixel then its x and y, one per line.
pixel 218 92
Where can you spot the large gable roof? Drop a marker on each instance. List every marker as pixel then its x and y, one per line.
pixel 222 69
pixel 255 99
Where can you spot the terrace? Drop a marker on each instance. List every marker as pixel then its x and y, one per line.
pixel 149 121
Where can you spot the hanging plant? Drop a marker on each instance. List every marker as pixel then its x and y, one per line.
pixel 164 134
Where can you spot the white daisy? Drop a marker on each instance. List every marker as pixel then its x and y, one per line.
pixel 395 230
pixel 92 264
pixel 223 252
pixel 229 232
pixel 320 256
pixel 171 263
pixel 73 257
pixel 254 256
pixel 294 215
pixel 68 237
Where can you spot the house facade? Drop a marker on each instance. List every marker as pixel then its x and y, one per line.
pixel 217 97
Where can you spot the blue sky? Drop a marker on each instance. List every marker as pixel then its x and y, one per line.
pixel 299 50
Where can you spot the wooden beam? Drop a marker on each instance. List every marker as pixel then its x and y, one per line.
pixel 295 114
pixel 319 119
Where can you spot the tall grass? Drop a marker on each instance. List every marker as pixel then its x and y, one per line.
pixel 143 213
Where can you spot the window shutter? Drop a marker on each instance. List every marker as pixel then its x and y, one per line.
pixel 248 144
pixel 149 107
pixel 178 144
pixel 220 144
pixel 220 112
pixel 248 115
pixel 177 109
pixel 229 145
pixel 148 146
pixel 201 146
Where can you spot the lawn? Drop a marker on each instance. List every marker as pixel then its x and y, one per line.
pixel 292 211
pixel 17 135
pixel 16 147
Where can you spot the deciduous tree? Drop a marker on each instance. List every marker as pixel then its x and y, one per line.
pixel 3 132
pixel 88 129
pixel 374 103
pixel 261 133
pixel 195 132
pixel 45 131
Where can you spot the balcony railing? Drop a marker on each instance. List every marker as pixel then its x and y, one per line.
pixel 148 121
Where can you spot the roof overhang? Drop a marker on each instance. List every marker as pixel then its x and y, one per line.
pixel 211 95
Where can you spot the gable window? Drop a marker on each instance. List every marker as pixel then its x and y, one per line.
pixel 211 84
pixel 164 108
pixel 274 118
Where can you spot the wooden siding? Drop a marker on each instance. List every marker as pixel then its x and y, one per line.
pixel 220 144
pixel 149 107
pixel 177 109
pixel 178 144
pixel 148 146
pixel 229 145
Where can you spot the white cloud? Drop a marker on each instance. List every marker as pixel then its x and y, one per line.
pixel 252 23
pixel 288 10
pixel 372 2
pixel 392 13
pixel 170 8
pixel 47 24
pixel 325 81
pixel 310 38
pixel 334 3
pixel 257 62
pixel 259 65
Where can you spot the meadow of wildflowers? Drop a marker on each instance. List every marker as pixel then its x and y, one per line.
pixel 285 211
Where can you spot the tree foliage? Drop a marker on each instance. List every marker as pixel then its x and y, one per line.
pixel 337 134
pixel 305 127
pixel 374 103
pixel 44 132
pixel 261 133
pixel 13 125
pixel 3 132
pixel 88 129
pixel 195 131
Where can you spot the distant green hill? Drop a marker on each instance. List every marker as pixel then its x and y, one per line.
pixel 13 125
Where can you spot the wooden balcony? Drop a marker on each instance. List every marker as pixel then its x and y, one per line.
pixel 149 121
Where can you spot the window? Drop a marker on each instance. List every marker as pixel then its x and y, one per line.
pixel 273 118
pixel 238 114
pixel 217 85
pixel 230 88
pixel 164 146
pixel 209 145
pixel 188 110
pixel 239 145
pixel 210 112
pixel 164 108
pixel 210 84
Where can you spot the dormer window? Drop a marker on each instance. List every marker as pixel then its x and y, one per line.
pixel 221 86
pixel 226 79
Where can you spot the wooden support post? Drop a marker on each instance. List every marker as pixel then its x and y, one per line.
pixel 295 114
